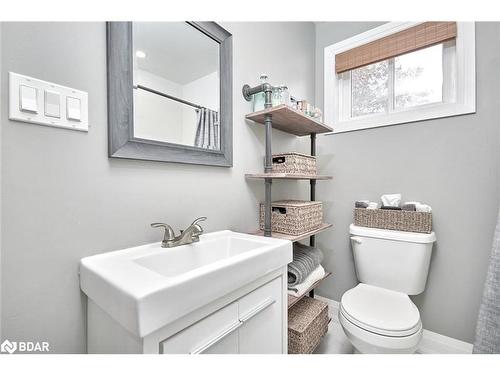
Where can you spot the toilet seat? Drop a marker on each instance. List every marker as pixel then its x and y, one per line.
pixel 380 311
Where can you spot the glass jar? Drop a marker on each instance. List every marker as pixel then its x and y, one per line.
pixel 285 95
pixel 318 114
pixel 307 109
pixel 276 96
pixel 259 99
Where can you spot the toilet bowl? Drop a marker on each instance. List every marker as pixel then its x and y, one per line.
pixel 377 315
pixel 378 320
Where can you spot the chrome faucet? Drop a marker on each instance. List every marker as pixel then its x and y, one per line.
pixel 190 235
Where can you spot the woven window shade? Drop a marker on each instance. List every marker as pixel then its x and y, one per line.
pixel 412 39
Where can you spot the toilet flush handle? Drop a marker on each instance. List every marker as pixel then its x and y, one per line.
pixel 357 240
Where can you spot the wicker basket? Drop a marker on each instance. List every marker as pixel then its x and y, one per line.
pixel 294 163
pixel 408 221
pixel 307 324
pixel 294 217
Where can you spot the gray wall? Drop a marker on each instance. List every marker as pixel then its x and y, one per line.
pixel 63 199
pixel 452 164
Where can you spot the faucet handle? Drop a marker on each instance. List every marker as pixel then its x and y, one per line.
pixel 199 229
pixel 169 232
pixel 196 221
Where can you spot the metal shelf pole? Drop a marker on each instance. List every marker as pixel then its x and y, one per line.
pixel 248 92
pixel 312 239
pixel 268 166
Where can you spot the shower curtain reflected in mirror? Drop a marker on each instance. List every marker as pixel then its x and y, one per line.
pixel 207 129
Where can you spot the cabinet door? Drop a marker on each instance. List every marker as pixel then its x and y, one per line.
pixel 217 333
pixel 261 315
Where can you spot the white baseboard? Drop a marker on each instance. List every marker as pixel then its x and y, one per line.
pixel 431 343
pixel 435 343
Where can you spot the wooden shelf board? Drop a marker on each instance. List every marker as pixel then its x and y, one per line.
pixel 290 121
pixel 289 176
pixel 292 300
pixel 298 237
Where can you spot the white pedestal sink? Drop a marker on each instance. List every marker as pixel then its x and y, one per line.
pixel 147 289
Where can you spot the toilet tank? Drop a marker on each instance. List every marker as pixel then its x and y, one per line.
pixel 392 259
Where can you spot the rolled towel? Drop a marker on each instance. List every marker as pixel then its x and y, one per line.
pixel 423 208
pixel 391 208
pixel 361 204
pixel 391 200
pixel 372 206
pixel 301 288
pixel 420 207
pixel 408 207
pixel 305 260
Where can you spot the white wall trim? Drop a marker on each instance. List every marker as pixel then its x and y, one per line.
pixel 465 81
pixel 435 343
pixel 432 342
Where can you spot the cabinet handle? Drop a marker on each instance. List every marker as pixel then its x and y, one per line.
pixel 233 327
pixel 268 302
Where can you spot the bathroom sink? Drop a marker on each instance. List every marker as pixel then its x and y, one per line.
pixel 146 287
pixel 183 259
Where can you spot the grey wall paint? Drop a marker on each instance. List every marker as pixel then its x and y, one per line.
pixel 63 199
pixel 452 164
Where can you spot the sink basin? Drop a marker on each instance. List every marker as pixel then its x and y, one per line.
pixel 177 261
pixel 147 287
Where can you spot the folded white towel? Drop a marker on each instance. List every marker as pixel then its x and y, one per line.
pixel 392 200
pixel 372 205
pixel 421 207
pixel 314 276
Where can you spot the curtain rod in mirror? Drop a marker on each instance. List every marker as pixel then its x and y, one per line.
pixel 168 96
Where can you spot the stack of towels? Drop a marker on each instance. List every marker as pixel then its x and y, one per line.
pixel 393 202
pixel 305 269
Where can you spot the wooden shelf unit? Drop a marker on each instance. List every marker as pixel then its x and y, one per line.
pixel 288 176
pixel 290 120
pixel 299 237
pixel 292 300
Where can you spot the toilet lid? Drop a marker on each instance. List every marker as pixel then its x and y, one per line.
pixel 380 310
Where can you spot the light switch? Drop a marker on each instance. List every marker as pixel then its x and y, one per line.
pixel 73 109
pixel 52 104
pixel 34 101
pixel 28 99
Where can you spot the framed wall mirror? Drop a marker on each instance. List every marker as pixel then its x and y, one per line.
pixel 170 92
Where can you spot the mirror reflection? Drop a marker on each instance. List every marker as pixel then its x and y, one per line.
pixel 176 85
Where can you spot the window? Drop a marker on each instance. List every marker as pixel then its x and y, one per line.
pixel 432 82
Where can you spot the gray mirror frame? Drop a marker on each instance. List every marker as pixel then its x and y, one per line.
pixel 121 140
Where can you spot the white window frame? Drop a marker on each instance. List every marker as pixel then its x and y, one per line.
pixel 459 94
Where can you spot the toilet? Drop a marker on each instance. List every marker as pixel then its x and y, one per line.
pixel 378 315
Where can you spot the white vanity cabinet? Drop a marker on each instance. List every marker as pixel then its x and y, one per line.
pixel 261 314
pixel 216 334
pixel 250 320
pixel 250 325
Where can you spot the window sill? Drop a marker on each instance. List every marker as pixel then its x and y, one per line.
pixel 427 112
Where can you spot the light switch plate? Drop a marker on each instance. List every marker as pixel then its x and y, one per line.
pixel 47 97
